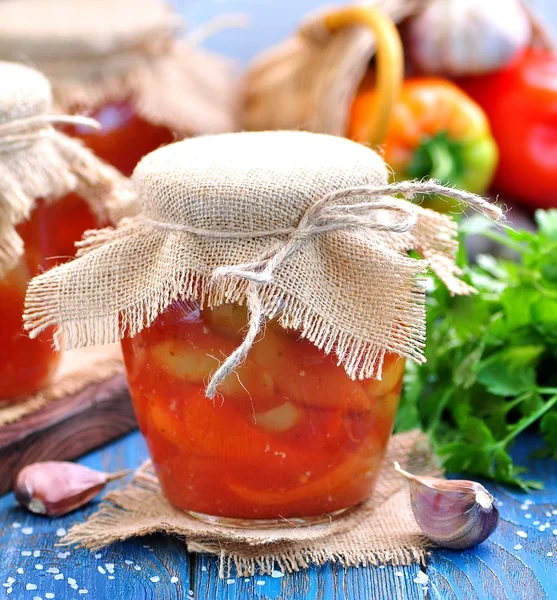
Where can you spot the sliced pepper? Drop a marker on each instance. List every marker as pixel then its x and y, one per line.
pixel 435 130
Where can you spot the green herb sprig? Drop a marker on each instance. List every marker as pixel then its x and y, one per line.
pixel 491 368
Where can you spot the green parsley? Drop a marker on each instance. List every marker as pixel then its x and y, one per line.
pixel 491 368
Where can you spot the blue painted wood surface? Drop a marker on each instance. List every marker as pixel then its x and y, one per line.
pixel 492 571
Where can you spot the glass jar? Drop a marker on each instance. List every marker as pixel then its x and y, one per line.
pixel 123 139
pixel 26 365
pixel 290 436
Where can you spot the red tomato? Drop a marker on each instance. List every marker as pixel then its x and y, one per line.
pixel 521 103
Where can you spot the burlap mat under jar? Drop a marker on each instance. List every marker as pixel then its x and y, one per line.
pixel 78 369
pixel 96 52
pixel 382 530
pixel 310 80
pixel 36 161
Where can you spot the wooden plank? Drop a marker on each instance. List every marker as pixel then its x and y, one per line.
pixel 66 428
pixel 328 582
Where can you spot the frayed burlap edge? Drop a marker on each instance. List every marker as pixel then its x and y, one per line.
pixel 50 167
pixel 77 370
pixel 380 531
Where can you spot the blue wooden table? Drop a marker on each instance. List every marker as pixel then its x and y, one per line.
pixel 518 562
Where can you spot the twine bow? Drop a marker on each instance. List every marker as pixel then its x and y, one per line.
pixel 322 217
pixel 21 132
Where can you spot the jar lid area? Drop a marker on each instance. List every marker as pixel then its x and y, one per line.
pixel 250 180
pixel 41 30
pixel 24 92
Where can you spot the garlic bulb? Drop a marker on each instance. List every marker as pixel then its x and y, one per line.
pixel 455 513
pixel 55 488
pixel 467 37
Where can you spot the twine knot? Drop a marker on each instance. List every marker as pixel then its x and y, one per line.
pixel 328 214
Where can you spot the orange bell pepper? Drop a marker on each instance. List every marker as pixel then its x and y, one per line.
pixel 435 130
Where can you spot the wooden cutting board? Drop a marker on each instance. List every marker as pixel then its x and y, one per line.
pixel 66 428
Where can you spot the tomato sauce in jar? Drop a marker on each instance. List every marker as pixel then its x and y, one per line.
pixel 123 139
pixel 26 365
pixel 289 436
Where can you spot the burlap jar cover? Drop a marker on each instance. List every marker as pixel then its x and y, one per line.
pixel 36 161
pixel 300 227
pixel 310 80
pixel 100 51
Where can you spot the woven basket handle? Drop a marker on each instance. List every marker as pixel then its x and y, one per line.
pixel 389 62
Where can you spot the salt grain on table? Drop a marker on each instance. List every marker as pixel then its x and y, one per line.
pixel 203 568
pixel 49 595
pixel 518 547
pixel 536 523
pixel 129 562
pixel 27 530
pixel 60 576
pixel 9 590
pixel 20 571
pixel 39 567
pixel 399 574
pixel 61 532
pixel 230 581
pixel 137 568
pixel 10 580
pixel 16 525
pixel 260 582
pixel 31 586
pixel 109 567
pixel 53 570
pixel 155 579
pixel 71 581
pixel 98 555
pixel 63 554
pixel 421 578
pixel 83 591
pixel 26 553
pixel 549 554
pixel 37 598
pixel 111 576
pixel 36 553
pixel 527 516
pixel 101 570
pixel 174 580
pixel 521 534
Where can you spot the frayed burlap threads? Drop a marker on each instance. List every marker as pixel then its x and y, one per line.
pixel 217 214
pixel 97 52
pixel 382 530
pixel 36 161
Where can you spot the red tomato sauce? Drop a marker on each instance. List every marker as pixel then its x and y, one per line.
pixel 123 140
pixel 289 436
pixel 26 365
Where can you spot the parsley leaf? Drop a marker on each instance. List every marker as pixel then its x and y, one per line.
pixel 491 358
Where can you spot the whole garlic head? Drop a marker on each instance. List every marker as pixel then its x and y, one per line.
pixel 468 37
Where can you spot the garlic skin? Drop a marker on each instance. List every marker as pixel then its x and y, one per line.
pixel 55 488
pixel 468 37
pixel 455 514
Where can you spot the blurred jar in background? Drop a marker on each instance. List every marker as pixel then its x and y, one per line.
pixel 122 64
pixel 39 167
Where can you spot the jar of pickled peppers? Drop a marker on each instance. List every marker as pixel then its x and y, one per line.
pixel 38 167
pixel 266 304
pixel 122 64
